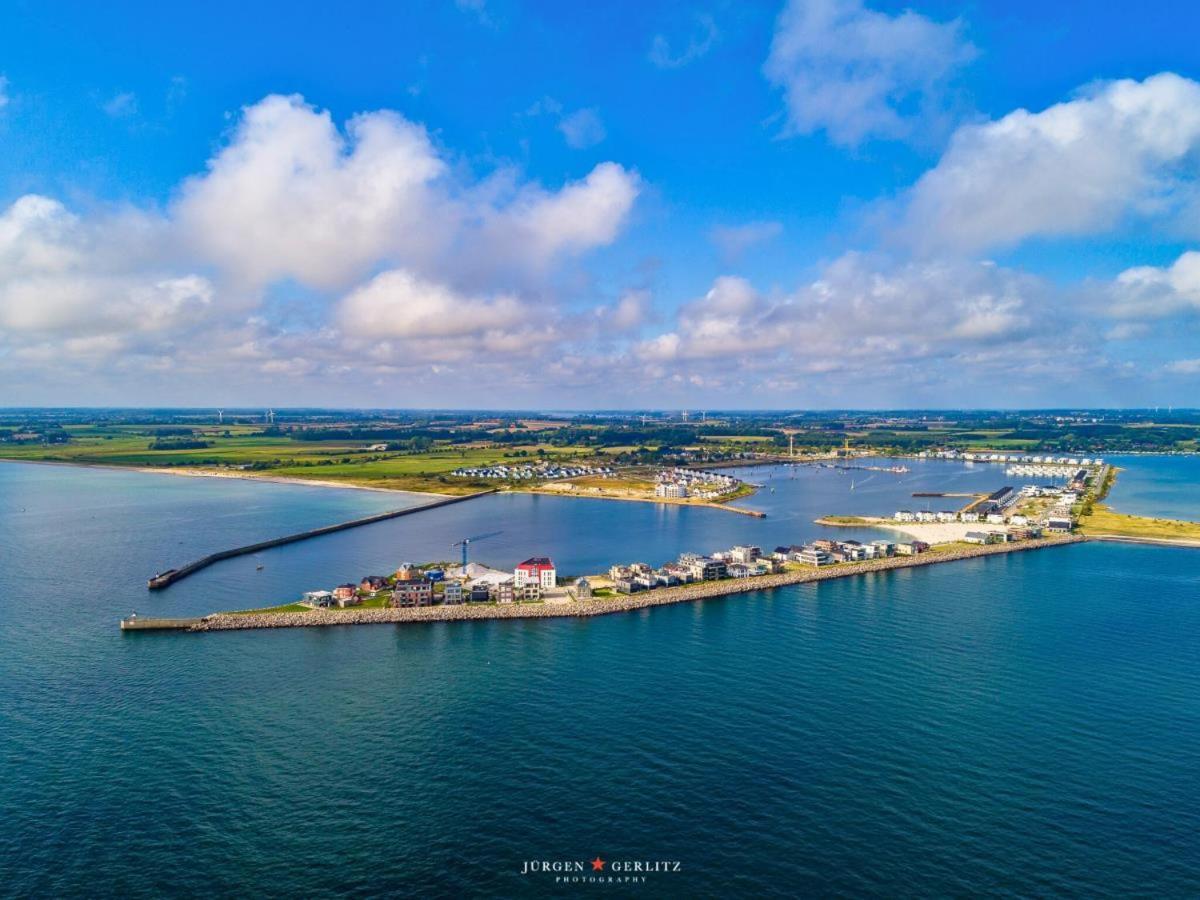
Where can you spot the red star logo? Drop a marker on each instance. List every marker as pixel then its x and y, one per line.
pixel 597 865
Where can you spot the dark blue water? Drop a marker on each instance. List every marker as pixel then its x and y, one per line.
pixel 1028 724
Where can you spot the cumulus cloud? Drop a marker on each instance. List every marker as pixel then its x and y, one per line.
pixel 631 310
pixel 291 197
pixel 582 129
pixel 60 274
pixel 732 241
pixel 406 265
pixel 538 224
pixel 399 304
pixel 1120 149
pixel 856 73
pixel 698 44
pixel 1154 292
pixel 859 309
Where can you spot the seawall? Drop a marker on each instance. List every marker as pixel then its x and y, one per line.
pixel 170 576
pixel 660 597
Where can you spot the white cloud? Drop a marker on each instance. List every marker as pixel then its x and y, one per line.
pixel 4 98
pixel 538 225
pixel 1184 367
pixel 732 241
pixel 1120 149
pixel 1152 292
pixel 121 105
pixel 858 73
pixel 62 275
pixel 290 197
pixel 631 310
pixel 582 129
pixel 698 44
pixel 859 310
pixel 397 304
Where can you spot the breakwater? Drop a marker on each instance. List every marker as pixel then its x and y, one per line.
pixel 607 606
pixel 170 576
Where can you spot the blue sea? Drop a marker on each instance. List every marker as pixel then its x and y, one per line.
pixel 1018 725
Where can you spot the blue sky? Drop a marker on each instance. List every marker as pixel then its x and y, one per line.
pixel 803 204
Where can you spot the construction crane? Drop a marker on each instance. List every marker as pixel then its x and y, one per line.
pixel 466 542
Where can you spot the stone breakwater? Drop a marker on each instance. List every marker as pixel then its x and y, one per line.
pixel 600 607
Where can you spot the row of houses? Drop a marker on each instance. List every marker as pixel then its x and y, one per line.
pixel 983 456
pixel 750 561
pixel 826 551
pixel 738 562
pixel 1001 537
pixel 413 586
pixel 532 471
pixel 680 482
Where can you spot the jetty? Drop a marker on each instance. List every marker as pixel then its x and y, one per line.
pixel 169 576
pixel 149 623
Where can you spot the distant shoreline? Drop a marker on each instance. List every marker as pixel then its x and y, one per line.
pixel 191 472
pixel 232 621
pixel 188 472
pixel 661 501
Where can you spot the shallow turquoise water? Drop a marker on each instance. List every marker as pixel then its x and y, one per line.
pixel 1028 724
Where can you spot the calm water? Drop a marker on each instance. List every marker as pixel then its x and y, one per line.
pixel 1019 725
pixel 1166 486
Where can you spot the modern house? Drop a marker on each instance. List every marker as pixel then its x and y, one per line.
pixel 815 556
pixel 452 593
pixel 707 569
pixel 317 599
pixel 671 490
pixel 412 592
pixel 537 570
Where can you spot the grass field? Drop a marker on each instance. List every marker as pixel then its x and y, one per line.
pixel 245 449
pixel 1104 521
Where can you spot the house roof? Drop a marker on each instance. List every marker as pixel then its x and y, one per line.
pixel 536 562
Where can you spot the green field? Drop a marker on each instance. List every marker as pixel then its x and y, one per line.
pixel 1104 521
pixel 246 449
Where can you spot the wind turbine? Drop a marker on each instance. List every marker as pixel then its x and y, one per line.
pixel 220 417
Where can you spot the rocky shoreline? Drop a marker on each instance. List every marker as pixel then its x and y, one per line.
pixel 661 597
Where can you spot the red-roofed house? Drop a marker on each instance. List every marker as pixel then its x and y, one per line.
pixel 537 570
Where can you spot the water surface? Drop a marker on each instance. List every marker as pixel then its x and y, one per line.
pixel 1026 724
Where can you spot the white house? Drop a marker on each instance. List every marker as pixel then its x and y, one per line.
pixel 537 570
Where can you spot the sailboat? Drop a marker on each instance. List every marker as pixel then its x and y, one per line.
pixel 851 484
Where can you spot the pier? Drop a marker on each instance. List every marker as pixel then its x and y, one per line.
pixel 170 576
pixel 148 623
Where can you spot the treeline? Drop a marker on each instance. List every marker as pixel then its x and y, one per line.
pixel 179 444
